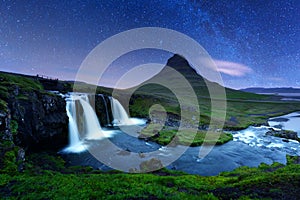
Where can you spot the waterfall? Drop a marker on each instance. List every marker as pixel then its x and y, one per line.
pixel 75 144
pixel 91 128
pixel 73 129
pixel 120 115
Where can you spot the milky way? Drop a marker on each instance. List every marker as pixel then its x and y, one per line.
pixel 255 43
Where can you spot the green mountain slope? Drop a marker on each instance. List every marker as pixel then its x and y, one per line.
pixel 243 108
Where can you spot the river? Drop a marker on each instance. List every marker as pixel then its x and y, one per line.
pixel 250 147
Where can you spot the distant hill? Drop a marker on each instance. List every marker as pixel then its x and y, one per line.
pixel 271 90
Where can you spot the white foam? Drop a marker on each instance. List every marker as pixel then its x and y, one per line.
pixel 75 148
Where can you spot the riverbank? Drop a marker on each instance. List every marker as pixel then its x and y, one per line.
pixel 54 180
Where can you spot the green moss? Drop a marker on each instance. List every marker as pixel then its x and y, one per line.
pixel 22 97
pixel 44 161
pixel 186 137
pixel 292 159
pixel 14 127
pixel 3 105
pixel 5 143
pixel 4 179
pixel 3 92
pixel 9 161
pixel 242 183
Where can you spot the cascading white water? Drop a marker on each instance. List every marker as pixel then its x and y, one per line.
pixel 91 129
pixel 75 144
pixel 73 128
pixel 120 115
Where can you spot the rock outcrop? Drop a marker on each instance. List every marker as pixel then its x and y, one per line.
pixel 42 121
pixel 103 110
pixel 283 134
pixel 31 117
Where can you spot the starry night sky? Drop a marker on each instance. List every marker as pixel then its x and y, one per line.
pixel 254 43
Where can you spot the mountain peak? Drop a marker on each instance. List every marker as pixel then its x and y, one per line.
pixel 180 64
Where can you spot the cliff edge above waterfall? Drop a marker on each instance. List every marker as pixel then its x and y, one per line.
pixel 31 119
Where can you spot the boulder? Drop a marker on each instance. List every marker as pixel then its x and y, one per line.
pixel 283 134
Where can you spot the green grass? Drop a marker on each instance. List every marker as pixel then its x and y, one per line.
pixel 14 127
pixel 240 113
pixel 251 113
pixel 3 105
pixel 164 135
pixel 13 85
pixel 41 181
pixel 25 83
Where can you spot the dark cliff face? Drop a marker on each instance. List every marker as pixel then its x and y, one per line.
pixel 5 119
pixel 42 120
pixel 103 109
pixel 30 117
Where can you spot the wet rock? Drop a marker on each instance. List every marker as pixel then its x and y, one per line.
pixel 124 153
pixel 283 134
pixel 42 120
pixel 285 140
pixel 279 119
pixel 21 159
pixel 151 165
pixel 5 133
pixel 103 110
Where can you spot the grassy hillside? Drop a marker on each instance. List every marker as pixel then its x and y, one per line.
pixel 243 108
pixel 9 83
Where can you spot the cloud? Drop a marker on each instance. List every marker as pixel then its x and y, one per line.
pixel 232 68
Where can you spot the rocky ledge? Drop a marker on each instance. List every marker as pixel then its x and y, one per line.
pixel 286 134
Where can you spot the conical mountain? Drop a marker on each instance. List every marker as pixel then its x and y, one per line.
pixel 179 75
pixel 199 83
pixel 179 78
